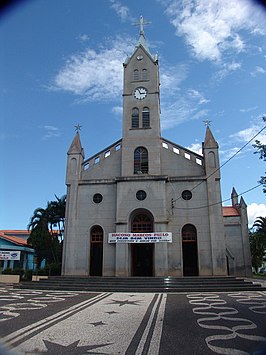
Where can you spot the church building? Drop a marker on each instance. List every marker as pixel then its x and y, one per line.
pixel 146 206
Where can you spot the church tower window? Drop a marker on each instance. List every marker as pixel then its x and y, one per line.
pixel 144 74
pixel 135 118
pixel 141 162
pixel 146 117
pixel 135 74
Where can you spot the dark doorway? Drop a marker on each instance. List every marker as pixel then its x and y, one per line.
pixel 142 259
pixel 190 250
pixel 142 253
pixel 96 253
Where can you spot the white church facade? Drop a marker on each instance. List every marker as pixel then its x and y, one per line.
pixel 146 206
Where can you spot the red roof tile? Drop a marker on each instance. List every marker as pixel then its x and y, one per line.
pixel 229 211
pixel 13 239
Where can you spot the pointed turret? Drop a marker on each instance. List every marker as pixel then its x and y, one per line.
pixel 75 147
pixel 209 141
pixel 142 39
pixel 234 197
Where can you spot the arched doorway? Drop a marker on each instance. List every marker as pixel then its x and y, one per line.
pixel 190 250
pixel 142 253
pixel 96 251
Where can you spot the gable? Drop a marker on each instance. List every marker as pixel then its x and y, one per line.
pixel 103 165
pixel 179 161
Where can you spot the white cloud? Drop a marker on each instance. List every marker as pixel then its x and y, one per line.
pixel 245 135
pixel 258 70
pixel 95 75
pixel 211 28
pixel 51 132
pixel 227 68
pixel 254 211
pixel 196 147
pixel 117 110
pixel 83 38
pixel 121 10
pixel 248 109
pixel 198 96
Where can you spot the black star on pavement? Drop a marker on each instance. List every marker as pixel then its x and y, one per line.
pixel 54 348
pixel 126 302
pixel 111 312
pixel 96 324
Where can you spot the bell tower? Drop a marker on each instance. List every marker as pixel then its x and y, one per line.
pixel 141 111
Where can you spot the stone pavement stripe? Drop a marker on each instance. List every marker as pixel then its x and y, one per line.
pixel 141 342
pixel 21 334
pixel 152 342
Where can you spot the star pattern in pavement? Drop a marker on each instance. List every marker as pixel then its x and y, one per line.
pixel 54 348
pixel 125 302
pixel 112 312
pixel 96 324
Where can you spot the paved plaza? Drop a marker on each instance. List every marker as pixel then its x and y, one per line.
pixel 58 322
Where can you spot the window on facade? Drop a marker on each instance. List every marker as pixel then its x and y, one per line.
pixel 135 118
pixel 96 234
pixel 189 233
pixel 136 74
pixel 142 223
pixel 187 195
pixel 144 74
pixel 141 163
pixel 97 198
pixel 146 117
pixel 141 195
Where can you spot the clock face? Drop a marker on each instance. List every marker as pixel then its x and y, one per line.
pixel 140 93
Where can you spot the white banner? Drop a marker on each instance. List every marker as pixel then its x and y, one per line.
pixel 9 255
pixel 140 237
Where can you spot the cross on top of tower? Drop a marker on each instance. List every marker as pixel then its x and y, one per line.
pixel 141 24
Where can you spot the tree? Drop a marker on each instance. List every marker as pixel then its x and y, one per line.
pixel 47 228
pixel 261 150
pixel 258 242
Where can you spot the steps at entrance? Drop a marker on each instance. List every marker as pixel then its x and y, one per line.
pixel 144 284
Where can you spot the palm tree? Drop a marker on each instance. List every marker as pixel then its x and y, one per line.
pixel 260 225
pixel 47 228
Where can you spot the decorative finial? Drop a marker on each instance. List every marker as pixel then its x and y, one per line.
pixel 142 23
pixel 77 127
pixel 207 123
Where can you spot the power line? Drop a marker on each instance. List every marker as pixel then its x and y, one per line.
pixel 227 161
pixel 217 203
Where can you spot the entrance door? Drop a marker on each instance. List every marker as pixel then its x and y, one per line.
pixel 190 250
pixel 96 254
pixel 142 253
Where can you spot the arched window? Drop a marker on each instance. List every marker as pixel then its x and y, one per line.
pixel 96 251
pixel 142 223
pixel 144 74
pixel 146 117
pixel 135 118
pixel 190 250
pixel 135 74
pixel 141 163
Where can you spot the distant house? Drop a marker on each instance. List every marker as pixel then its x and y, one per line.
pixel 15 252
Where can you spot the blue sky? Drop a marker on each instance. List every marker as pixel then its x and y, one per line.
pixel 61 64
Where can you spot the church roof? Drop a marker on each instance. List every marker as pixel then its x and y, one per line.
pixel 229 211
pixel 209 141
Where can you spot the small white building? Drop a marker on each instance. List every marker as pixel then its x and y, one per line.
pixel 146 206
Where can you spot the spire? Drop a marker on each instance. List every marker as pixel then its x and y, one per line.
pixel 209 141
pixel 142 40
pixel 76 147
pixel 234 197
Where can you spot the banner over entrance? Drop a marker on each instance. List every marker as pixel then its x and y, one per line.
pixel 140 237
